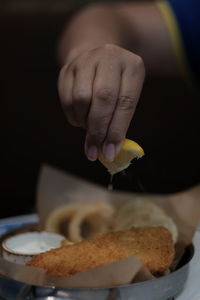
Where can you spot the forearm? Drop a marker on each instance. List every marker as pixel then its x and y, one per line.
pixel 89 29
pixel 138 27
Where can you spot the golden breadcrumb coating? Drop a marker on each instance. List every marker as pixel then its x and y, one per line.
pixel 153 246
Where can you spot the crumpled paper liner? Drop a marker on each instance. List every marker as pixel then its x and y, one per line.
pixel 56 188
pixel 119 273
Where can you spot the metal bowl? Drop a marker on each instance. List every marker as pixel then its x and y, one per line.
pixel 163 288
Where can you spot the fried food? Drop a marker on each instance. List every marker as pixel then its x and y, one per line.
pixel 142 213
pixel 66 243
pixel 80 220
pixel 153 246
pixel 60 215
pixel 96 215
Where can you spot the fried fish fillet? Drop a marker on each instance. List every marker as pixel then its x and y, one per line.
pixel 153 246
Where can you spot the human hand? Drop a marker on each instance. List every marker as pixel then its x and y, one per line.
pixel 99 90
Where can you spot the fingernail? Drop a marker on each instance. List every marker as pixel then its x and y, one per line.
pixel 109 152
pixel 92 153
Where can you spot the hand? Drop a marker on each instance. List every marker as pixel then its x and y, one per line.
pixel 99 91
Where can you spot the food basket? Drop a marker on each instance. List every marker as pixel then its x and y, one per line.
pixel 56 188
pixel 163 288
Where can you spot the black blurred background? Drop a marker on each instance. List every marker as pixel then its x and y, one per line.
pixel 34 130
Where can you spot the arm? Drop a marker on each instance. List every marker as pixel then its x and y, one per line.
pixel 104 52
pixel 138 27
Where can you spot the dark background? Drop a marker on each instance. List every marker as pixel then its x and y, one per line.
pixel 34 130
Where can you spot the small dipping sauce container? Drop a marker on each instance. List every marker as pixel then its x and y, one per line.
pixel 22 247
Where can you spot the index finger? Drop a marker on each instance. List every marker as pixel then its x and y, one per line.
pixel 131 86
pixel 105 93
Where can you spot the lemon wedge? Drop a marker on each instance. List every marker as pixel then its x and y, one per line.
pixel 127 153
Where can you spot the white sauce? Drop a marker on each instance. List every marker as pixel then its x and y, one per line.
pixel 33 242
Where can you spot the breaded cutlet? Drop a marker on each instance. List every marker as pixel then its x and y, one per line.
pixel 153 246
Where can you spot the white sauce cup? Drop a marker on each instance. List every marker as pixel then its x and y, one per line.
pixel 22 247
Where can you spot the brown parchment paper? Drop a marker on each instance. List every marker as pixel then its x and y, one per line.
pixel 119 273
pixel 56 188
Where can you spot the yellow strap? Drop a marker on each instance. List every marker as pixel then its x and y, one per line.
pixel 177 43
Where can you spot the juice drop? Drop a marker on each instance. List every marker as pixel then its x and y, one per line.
pixel 110 185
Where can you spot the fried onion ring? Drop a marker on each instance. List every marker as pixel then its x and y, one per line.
pixel 96 215
pixel 69 219
pixel 141 213
pixel 57 220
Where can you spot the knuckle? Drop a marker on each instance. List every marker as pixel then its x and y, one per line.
pixel 97 135
pixel 127 102
pixel 110 47
pixel 105 120
pixel 83 59
pixel 116 136
pixel 81 97
pixel 80 62
pixel 63 70
pixel 105 94
pixel 111 52
pixel 139 64
pixel 99 127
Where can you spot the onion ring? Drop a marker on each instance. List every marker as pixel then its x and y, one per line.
pixel 142 213
pixel 97 216
pixel 72 216
pixel 61 214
